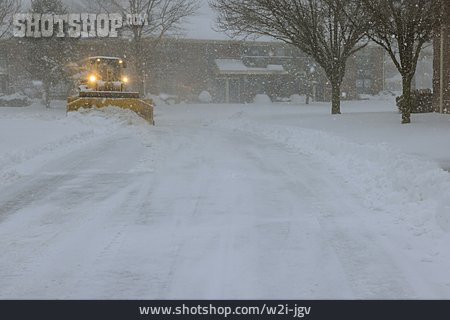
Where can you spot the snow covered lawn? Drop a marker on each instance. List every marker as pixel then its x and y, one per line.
pixel 224 201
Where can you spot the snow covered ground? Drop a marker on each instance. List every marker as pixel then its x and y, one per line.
pixel 224 201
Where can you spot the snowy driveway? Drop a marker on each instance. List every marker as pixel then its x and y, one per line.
pixel 199 209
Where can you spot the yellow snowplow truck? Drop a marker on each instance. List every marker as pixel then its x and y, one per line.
pixel 103 84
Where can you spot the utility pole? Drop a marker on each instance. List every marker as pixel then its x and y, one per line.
pixel 384 71
pixel 441 71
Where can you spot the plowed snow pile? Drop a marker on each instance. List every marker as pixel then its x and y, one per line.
pixel 30 137
pixel 411 192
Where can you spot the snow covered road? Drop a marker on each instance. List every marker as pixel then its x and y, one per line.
pixel 196 208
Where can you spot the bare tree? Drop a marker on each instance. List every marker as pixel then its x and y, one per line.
pixel 163 16
pixel 320 28
pixel 402 28
pixel 7 9
pixel 46 57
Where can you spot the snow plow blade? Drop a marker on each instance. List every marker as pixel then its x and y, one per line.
pixel 124 100
pixel 108 94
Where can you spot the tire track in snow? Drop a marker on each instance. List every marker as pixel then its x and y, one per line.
pixel 371 270
pixel 225 214
pixel 58 212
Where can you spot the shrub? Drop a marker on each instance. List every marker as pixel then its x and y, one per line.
pixel 421 101
pixel 14 100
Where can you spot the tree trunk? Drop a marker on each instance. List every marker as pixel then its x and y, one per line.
pixel 335 97
pixel 46 97
pixel 139 68
pixel 406 101
pixel 140 78
pixel 309 91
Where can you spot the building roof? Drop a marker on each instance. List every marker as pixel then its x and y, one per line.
pixel 237 67
pixel 105 58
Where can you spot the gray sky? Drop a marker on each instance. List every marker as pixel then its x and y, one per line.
pixel 199 26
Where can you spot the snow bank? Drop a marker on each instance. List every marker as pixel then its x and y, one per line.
pixel 205 97
pixel 114 120
pixel 168 98
pixel 33 138
pixel 297 99
pixel 406 187
pixel 108 118
pixel 157 101
pixel 262 99
pixel 14 100
pixel 382 96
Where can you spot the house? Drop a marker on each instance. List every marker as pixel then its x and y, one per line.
pixel 230 71
pixel 236 71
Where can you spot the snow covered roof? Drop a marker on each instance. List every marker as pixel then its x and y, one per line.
pixel 275 67
pixel 230 65
pixel 236 66
pixel 105 57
